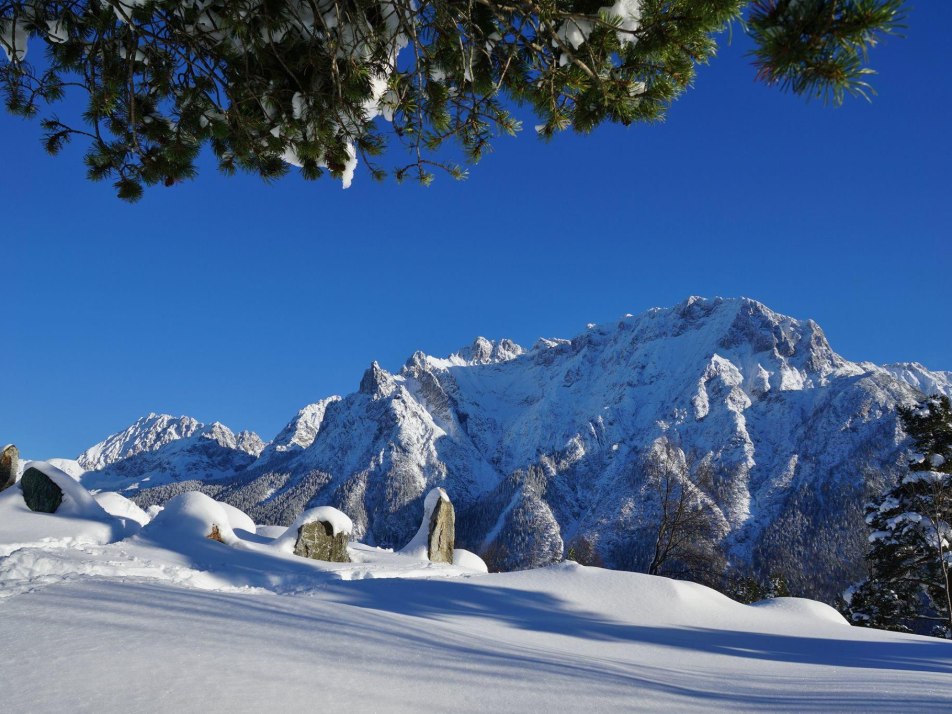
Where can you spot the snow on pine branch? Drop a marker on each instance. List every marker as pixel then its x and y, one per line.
pixel 322 84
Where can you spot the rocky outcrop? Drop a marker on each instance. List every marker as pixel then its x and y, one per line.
pixel 39 491
pixel 318 541
pixel 442 530
pixel 9 462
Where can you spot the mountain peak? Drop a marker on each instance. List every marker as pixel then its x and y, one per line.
pixel 154 431
pixel 377 382
pixel 483 351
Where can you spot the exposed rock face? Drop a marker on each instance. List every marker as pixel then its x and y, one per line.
pixel 442 538
pixel 9 459
pixel 317 540
pixel 39 491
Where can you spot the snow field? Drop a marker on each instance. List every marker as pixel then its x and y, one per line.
pixel 101 613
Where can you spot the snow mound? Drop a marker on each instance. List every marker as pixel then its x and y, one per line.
pixel 340 523
pixel 801 607
pixel 68 466
pixel 192 515
pixel 418 547
pixel 121 507
pixel 238 519
pixel 271 532
pixel 79 520
pixel 467 559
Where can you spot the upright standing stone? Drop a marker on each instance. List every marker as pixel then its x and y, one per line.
pixel 9 462
pixel 39 491
pixel 317 540
pixel 442 531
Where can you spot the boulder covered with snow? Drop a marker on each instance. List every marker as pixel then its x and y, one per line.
pixel 78 519
pixel 435 539
pixel 9 459
pixel 40 492
pixel 318 541
pixel 44 485
pixel 321 533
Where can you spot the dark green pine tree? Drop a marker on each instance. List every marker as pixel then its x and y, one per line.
pixel 270 83
pixel 910 557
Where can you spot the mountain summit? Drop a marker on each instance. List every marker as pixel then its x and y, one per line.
pixel 545 450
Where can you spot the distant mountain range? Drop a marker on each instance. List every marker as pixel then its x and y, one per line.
pixel 540 448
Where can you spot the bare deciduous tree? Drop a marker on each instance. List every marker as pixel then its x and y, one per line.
pixel 690 525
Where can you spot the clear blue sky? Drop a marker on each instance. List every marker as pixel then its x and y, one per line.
pixel 234 300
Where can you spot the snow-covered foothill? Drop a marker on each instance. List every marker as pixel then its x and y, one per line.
pixel 418 547
pixel 339 521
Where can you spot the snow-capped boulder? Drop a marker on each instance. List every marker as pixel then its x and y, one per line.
pixel 47 489
pixel 40 492
pixel 320 533
pixel 435 539
pixel 317 540
pixel 9 461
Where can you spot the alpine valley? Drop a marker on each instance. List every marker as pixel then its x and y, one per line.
pixel 544 450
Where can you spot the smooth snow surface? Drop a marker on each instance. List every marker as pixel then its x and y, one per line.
pixel 168 620
pixel 121 507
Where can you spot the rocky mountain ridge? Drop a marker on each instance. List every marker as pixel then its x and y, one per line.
pixel 545 448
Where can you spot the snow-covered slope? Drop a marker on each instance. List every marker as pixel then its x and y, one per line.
pixel 168 620
pixel 300 431
pixel 545 448
pixel 923 379
pixel 160 448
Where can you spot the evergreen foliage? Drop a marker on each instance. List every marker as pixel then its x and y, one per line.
pixel 269 83
pixel 910 558
pixel 748 588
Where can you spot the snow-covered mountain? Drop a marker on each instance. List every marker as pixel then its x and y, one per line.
pixel 545 448
pixel 300 431
pixel 159 448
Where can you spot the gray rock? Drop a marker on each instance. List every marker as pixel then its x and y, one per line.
pixel 317 540
pixel 39 491
pixel 442 538
pixel 9 459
